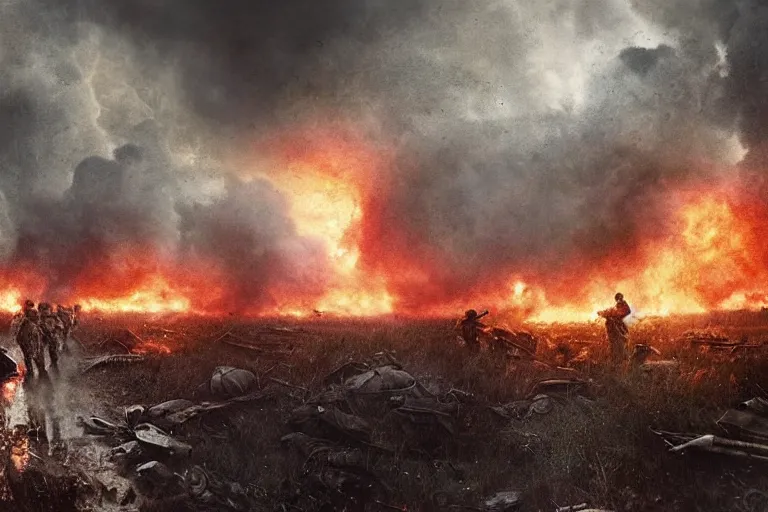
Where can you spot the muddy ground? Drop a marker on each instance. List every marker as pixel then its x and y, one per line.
pixel 600 451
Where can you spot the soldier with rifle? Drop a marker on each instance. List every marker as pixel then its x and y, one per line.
pixel 469 326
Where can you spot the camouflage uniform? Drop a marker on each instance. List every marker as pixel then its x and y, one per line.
pixel 28 336
pixel 52 329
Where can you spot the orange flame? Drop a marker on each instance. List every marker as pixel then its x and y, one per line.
pixel 323 179
pixel 20 455
pixel 709 261
pixel 708 255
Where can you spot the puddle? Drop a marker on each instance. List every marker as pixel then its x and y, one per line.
pixel 52 465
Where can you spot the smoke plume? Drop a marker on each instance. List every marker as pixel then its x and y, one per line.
pixel 533 139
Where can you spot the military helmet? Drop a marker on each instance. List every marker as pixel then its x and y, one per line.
pixel 28 304
pixel 470 313
pixel 78 307
pixel 619 296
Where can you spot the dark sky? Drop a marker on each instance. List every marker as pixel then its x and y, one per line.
pixel 521 134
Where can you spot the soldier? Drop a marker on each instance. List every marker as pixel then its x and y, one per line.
pixel 618 333
pixel 76 317
pixel 51 328
pixel 67 318
pixel 18 317
pixel 29 338
pixel 468 326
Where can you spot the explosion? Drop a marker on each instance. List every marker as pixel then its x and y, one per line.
pixel 706 259
pixel 709 261
pixel 384 161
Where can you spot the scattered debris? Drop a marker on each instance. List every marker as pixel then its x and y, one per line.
pixel 151 436
pixel 744 423
pixel 580 508
pixel 182 416
pixel 133 415
pixel 288 384
pixel 216 493
pixel 748 424
pixel 100 427
pixel 521 343
pixel 147 434
pixel 229 382
pixel 330 423
pixel 344 372
pixel 524 409
pixel 157 476
pixel 558 386
pixel 715 444
pixel 126 452
pixel 112 359
pixel 502 502
pixel 706 338
pixel 712 341
pixel 9 369
pixel 385 379
pixel 758 405
pixel 165 408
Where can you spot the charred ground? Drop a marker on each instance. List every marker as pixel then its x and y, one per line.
pixel 604 453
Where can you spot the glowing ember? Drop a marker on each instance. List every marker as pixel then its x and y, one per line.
pixel 20 451
pixel 9 390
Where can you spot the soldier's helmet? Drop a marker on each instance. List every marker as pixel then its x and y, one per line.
pixel 619 296
pixel 28 304
pixel 78 307
pixel 44 306
pixel 470 314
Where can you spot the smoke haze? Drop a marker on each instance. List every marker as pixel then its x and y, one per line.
pixel 518 136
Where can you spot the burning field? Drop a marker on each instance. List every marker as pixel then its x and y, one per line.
pixel 344 175
pixel 294 201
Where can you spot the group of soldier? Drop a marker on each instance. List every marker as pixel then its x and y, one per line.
pixel 41 328
pixel 470 328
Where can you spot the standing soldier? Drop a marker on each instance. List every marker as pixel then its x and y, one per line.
pixel 29 338
pixel 51 328
pixel 75 318
pixel 67 318
pixel 468 326
pixel 618 333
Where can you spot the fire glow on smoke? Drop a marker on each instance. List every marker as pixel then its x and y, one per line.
pixel 707 258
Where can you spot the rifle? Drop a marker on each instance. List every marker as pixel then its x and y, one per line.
pixel 481 315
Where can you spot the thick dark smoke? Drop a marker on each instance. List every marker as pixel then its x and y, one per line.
pixel 525 134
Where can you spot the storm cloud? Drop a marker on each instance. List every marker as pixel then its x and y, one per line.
pixel 522 134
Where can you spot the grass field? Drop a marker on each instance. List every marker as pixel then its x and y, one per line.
pixel 602 453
